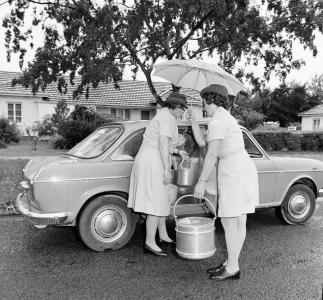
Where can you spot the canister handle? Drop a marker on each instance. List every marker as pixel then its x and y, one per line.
pixel 191 195
pixel 182 161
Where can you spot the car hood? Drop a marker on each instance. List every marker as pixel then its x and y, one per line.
pixel 297 164
pixel 36 164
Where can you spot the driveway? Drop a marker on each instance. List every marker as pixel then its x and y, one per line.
pixel 278 262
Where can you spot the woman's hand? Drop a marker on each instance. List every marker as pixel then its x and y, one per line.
pixel 183 154
pixel 167 177
pixel 199 190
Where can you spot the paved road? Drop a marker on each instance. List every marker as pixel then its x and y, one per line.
pixel 278 262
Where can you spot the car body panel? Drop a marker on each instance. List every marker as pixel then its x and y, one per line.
pixel 66 183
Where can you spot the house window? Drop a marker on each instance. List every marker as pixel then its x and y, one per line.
pixel 127 114
pixel 113 112
pixel 145 115
pixel 14 112
pixel 120 113
pixel 316 124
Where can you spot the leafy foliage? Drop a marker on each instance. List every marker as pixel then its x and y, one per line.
pixel 97 42
pixel 60 114
pixel 284 103
pixel 287 141
pixel 8 132
pixel 81 123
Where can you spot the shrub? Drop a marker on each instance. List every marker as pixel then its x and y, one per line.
pixel 3 145
pixel 58 142
pixel 74 131
pixel 8 132
pixel 280 141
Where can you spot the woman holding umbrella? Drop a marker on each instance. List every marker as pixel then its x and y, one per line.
pixel 151 172
pixel 237 176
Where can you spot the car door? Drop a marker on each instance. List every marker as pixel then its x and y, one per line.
pixel 266 170
pixel 124 155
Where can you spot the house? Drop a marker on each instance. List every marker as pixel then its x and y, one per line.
pixel 312 119
pixel 132 100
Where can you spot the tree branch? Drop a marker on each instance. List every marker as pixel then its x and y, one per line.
pixel 180 43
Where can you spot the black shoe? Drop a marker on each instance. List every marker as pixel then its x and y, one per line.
pixel 225 275
pixel 217 269
pixel 150 250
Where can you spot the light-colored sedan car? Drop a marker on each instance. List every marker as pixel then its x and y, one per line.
pixel 88 186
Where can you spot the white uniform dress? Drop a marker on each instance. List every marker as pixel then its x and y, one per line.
pixel 147 192
pixel 237 174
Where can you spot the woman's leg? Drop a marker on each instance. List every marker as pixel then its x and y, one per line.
pixel 162 231
pixel 151 228
pixel 235 234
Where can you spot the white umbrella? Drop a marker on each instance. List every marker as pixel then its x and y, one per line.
pixel 196 74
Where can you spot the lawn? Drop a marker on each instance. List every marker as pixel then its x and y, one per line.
pixel 23 149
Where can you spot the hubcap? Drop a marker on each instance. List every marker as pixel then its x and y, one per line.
pixel 108 223
pixel 299 205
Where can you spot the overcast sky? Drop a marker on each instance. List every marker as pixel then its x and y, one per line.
pixel 313 65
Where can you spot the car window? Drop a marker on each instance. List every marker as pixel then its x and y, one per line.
pixel 250 147
pixel 97 142
pixel 129 149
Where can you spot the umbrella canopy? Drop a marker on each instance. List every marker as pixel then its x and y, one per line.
pixel 196 74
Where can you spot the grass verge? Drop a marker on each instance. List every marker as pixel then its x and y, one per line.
pixel 10 177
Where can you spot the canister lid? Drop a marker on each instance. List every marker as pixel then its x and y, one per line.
pixel 195 224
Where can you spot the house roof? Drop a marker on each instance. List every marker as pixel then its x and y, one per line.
pixel 130 94
pixel 314 111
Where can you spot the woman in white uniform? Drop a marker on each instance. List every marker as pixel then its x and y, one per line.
pixel 151 172
pixel 237 176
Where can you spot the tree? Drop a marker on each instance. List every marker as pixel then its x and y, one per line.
pixel 316 86
pixel 34 132
pixel 97 42
pixel 285 102
pixel 60 114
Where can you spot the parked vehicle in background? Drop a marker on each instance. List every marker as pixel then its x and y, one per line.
pixel 88 186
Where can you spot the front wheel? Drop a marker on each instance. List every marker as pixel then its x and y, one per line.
pixel 106 223
pixel 298 205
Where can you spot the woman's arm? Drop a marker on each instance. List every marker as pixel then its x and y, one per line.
pixel 163 146
pixel 197 132
pixel 208 165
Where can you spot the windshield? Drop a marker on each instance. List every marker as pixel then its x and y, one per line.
pixel 96 143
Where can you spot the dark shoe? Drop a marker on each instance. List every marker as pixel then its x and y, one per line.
pixel 225 275
pixel 217 269
pixel 150 250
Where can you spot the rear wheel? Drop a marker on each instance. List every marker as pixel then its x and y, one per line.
pixel 298 205
pixel 106 223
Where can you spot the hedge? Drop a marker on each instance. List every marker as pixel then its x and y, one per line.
pixel 283 141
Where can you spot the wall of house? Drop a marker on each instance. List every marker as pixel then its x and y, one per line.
pixel 32 109
pixel 308 123
pixel 29 109
pixel 135 113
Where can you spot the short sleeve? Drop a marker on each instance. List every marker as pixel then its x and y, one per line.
pixel 167 127
pixel 216 130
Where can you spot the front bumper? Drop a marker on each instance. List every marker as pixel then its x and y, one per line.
pixel 39 217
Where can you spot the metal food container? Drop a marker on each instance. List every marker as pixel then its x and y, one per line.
pixel 195 236
pixel 186 175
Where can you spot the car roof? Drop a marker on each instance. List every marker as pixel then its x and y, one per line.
pixel 138 124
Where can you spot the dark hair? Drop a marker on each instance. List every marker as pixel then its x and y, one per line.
pixel 217 99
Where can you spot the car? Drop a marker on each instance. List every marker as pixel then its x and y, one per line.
pixel 88 186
